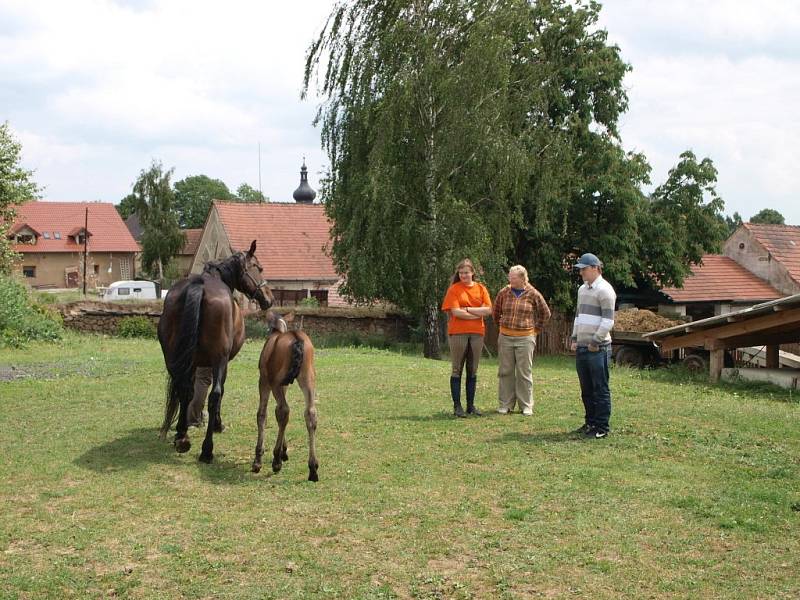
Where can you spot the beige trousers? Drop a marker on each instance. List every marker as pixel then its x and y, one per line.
pixel 465 348
pixel 514 373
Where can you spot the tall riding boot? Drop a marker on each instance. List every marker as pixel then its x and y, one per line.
pixel 471 383
pixel 455 392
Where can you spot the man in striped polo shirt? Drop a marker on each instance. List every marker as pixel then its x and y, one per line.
pixel 591 341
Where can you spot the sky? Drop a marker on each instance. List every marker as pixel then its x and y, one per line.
pixel 97 89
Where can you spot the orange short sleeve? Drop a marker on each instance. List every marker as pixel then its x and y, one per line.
pixel 451 298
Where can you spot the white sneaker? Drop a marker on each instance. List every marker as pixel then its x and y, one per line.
pixel 502 411
pixel 527 413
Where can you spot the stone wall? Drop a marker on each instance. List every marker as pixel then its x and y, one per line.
pixel 104 318
pixel 333 321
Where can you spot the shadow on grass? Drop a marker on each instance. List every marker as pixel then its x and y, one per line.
pixel 139 447
pixel 437 416
pixel 142 447
pixel 543 437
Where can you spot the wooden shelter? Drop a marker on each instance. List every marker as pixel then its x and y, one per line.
pixel 768 324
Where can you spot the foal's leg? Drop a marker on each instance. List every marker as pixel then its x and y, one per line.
pixel 203 377
pixel 217 389
pixel 263 393
pixel 309 387
pixel 282 416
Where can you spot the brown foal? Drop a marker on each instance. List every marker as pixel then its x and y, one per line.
pixel 286 356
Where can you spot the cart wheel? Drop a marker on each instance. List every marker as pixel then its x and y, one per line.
pixel 696 363
pixel 630 356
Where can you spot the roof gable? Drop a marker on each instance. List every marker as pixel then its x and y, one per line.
pixel 782 242
pixel 107 231
pixel 721 279
pixel 291 239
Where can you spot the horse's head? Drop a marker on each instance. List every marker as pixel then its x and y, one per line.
pixel 251 283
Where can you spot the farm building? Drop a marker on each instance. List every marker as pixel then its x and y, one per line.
pixel 292 240
pixel 771 252
pixel 764 327
pixel 50 238
pixel 185 257
pixel 717 286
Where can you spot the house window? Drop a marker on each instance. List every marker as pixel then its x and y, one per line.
pixel 97 269
pixel 29 271
pixel 123 291
pixel 46 235
pixel 57 235
pixel 81 239
pixel 25 238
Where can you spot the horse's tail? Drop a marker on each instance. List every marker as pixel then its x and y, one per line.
pixel 180 367
pixel 297 360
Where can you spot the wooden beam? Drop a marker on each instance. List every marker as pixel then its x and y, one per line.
pixel 773 358
pixel 762 338
pixel 786 318
pixel 715 365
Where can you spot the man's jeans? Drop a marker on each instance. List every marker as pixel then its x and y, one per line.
pixel 592 370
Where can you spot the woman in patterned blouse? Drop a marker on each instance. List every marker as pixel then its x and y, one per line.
pixel 520 312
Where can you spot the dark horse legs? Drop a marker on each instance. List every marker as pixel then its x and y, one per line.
pixel 182 443
pixel 214 404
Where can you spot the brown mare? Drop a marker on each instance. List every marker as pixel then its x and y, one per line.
pixel 202 329
pixel 286 356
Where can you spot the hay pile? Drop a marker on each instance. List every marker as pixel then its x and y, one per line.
pixel 642 321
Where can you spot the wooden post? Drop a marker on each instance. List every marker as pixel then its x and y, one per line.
pixel 773 357
pixel 715 365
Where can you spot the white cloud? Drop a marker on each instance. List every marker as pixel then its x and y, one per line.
pixel 97 88
pixel 181 81
pixel 721 78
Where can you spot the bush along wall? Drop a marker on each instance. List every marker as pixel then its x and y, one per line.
pixel 22 320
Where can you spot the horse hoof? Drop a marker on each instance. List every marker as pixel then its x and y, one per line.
pixel 182 445
pixel 284 456
pixel 256 467
pixel 312 476
pixel 206 458
pixel 276 467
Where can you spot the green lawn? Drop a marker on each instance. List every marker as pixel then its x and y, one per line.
pixel 695 495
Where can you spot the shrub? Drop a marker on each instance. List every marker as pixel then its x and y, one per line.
pixel 255 328
pixel 21 319
pixel 136 327
pixel 311 302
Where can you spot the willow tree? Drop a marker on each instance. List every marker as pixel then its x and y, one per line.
pixel 425 167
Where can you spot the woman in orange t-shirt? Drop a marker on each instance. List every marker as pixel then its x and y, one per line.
pixel 467 302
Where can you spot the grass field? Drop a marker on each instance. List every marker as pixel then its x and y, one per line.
pixel 695 495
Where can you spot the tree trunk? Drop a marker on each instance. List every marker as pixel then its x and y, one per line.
pixel 432 347
pixel 160 271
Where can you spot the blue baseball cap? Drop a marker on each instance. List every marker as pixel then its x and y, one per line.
pixel 588 260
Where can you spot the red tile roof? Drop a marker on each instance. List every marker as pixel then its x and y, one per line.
pixel 192 241
pixel 291 239
pixel 106 228
pixel 782 242
pixel 722 279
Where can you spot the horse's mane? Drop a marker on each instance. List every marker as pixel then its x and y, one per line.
pixel 229 269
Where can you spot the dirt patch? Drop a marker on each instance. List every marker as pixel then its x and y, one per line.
pixel 44 371
pixel 10 373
